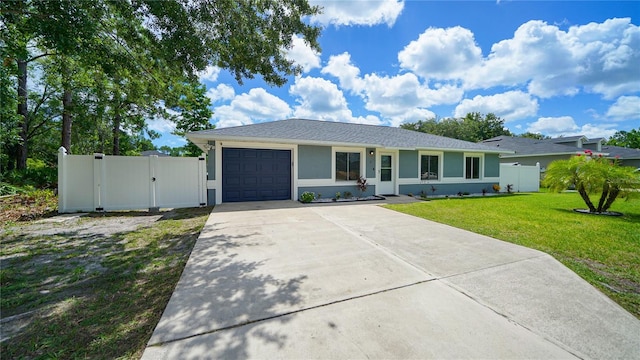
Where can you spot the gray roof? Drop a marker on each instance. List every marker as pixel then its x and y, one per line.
pixel 621 152
pixel 527 146
pixel 302 131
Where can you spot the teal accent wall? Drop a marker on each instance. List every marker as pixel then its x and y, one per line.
pixel 211 164
pixel 329 192
pixel 370 164
pixel 211 197
pixel 408 163
pixel 446 189
pixel 453 164
pixel 314 162
pixel 491 165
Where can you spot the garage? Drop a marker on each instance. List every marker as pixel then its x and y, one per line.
pixel 255 174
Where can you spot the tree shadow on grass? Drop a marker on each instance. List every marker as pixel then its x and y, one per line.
pixel 99 297
pixel 627 216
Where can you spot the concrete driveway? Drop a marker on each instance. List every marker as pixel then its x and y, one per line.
pixel 285 280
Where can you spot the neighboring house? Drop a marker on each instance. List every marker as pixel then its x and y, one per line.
pixel 282 159
pixel 527 151
pixel 627 157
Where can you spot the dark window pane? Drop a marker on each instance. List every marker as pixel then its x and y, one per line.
pixel 472 167
pixel 385 174
pixel 354 166
pixel 429 167
pixel 476 168
pixel 385 161
pixel 341 166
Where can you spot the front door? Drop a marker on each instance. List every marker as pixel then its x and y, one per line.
pixel 387 175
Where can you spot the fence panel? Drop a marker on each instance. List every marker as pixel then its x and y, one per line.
pixel 523 178
pixel 98 182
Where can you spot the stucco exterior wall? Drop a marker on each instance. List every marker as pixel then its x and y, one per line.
pixel 314 162
pixel 453 164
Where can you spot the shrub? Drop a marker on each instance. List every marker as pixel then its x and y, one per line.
pixel 347 194
pixel 496 187
pixel 307 197
pixel 593 175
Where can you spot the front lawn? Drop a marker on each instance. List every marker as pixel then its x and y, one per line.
pixel 92 287
pixel 604 250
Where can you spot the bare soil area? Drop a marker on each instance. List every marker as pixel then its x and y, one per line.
pixel 89 275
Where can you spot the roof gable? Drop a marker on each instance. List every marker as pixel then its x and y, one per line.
pixel 303 131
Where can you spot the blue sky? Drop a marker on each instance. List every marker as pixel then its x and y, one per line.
pixel 550 67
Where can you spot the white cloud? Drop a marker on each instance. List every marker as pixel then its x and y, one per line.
pixel 395 95
pixel 247 108
pixel 566 126
pixel 597 57
pixel 321 99
pixel 625 108
pixel 510 106
pixel 413 115
pixel 441 53
pixel 220 93
pixel 302 54
pixel 397 98
pixel 163 126
pixel 209 74
pixel 358 12
pixel 348 74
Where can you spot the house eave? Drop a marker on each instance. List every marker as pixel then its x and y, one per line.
pixel 202 142
pixel 570 153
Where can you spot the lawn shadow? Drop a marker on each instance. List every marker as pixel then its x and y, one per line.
pixel 626 216
pixel 90 294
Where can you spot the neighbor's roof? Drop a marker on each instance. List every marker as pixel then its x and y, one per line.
pixel 621 152
pixel 316 132
pixel 529 147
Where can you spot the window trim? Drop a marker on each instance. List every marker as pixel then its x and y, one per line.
pixel 480 157
pixel 440 156
pixel 335 150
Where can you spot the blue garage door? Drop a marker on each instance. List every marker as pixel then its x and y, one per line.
pixel 255 174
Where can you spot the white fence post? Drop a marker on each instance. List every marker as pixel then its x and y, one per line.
pixel 153 173
pixel 98 181
pixel 62 179
pixel 202 179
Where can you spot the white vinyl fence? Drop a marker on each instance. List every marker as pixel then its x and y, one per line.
pixel 102 183
pixel 522 178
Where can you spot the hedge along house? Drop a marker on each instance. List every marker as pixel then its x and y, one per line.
pixel 280 160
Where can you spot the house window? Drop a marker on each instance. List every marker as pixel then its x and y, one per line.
pixel 347 166
pixel 472 167
pixel 429 167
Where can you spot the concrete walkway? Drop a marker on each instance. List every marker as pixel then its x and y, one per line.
pixel 285 280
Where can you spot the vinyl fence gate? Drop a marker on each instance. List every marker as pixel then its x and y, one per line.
pixel 522 178
pixel 102 183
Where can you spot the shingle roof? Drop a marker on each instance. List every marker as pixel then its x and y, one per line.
pixel 528 146
pixel 303 131
pixel 621 152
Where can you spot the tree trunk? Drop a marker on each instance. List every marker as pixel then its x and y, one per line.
pixel 67 120
pixel 116 134
pixel 21 152
pixel 585 197
pixel 603 196
pixel 613 194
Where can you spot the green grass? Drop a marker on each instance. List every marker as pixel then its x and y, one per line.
pixel 94 296
pixel 604 250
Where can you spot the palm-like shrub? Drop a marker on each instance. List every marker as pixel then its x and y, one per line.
pixel 593 175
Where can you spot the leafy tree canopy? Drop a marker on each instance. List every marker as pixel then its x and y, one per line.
pixel 629 139
pixel 531 135
pixel 473 127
